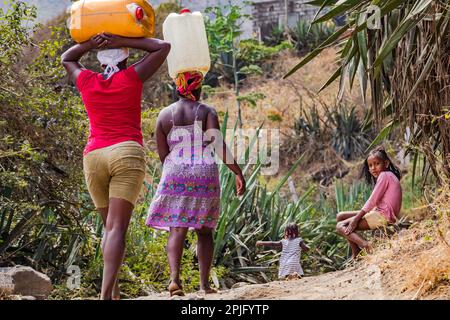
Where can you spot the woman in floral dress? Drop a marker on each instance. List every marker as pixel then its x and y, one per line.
pixel 188 195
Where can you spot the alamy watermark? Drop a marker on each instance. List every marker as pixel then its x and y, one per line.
pixel 373 14
pixel 6 281
pixel 245 146
pixel 74 281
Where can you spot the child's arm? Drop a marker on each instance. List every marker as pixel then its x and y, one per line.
pixel 270 244
pixel 377 193
pixel 304 246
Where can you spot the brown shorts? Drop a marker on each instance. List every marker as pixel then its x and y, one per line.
pixel 116 171
pixel 375 219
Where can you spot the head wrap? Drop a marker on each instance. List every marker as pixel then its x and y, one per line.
pixel 187 82
pixel 111 58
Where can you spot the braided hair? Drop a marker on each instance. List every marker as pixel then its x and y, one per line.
pixel 291 231
pixel 380 153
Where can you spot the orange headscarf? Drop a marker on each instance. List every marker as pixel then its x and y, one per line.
pixel 187 82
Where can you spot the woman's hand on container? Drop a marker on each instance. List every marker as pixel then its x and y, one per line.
pixel 240 184
pixel 97 42
pixel 112 41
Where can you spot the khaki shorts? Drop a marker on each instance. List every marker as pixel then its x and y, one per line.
pixel 116 171
pixel 375 219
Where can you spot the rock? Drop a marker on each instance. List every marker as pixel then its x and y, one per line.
pixel 25 282
pixel 239 285
pixel 26 298
pixel 229 282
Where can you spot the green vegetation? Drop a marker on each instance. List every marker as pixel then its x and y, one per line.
pixel 233 59
pixel 404 62
pixel 43 203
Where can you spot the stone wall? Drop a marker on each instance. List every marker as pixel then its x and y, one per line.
pixel 268 14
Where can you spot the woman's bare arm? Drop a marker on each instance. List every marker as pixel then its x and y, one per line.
pixel 213 134
pixel 161 139
pixel 147 66
pixel 70 59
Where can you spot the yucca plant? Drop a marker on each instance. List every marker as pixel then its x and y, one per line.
pixel 353 197
pixel 309 125
pixel 348 137
pixel 405 63
pixel 276 36
pixel 307 36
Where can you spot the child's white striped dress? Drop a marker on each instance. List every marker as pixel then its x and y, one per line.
pixel 290 258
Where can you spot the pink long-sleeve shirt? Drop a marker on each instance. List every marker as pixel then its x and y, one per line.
pixel 386 197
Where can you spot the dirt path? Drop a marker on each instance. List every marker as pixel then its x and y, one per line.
pixel 355 283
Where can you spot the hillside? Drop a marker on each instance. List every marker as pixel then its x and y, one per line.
pixel 412 264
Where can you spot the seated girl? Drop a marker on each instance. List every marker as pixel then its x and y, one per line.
pixel 383 206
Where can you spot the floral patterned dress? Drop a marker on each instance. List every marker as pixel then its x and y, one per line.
pixel 188 194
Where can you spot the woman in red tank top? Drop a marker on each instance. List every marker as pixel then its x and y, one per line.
pixel 114 159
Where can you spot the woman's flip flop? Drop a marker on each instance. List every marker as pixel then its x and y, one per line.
pixel 175 289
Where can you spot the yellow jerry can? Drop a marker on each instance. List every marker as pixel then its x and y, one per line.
pixel 127 18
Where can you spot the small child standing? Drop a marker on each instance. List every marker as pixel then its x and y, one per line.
pixel 291 246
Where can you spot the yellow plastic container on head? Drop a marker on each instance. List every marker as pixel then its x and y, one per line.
pixel 127 18
pixel 189 44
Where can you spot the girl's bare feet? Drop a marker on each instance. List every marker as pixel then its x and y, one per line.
pixel 294 276
pixel 368 248
pixel 209 290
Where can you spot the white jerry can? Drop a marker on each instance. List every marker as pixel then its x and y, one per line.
pixel 189 44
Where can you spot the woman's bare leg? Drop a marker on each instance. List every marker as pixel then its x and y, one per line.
pixel 116 289
pixel 175 246
pixel 118 219
pixel 205 250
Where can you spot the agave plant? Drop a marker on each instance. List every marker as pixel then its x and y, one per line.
pixel 308 36
pixel 276 36
pixel 262 214
pixel 348 138
pixel 405 61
